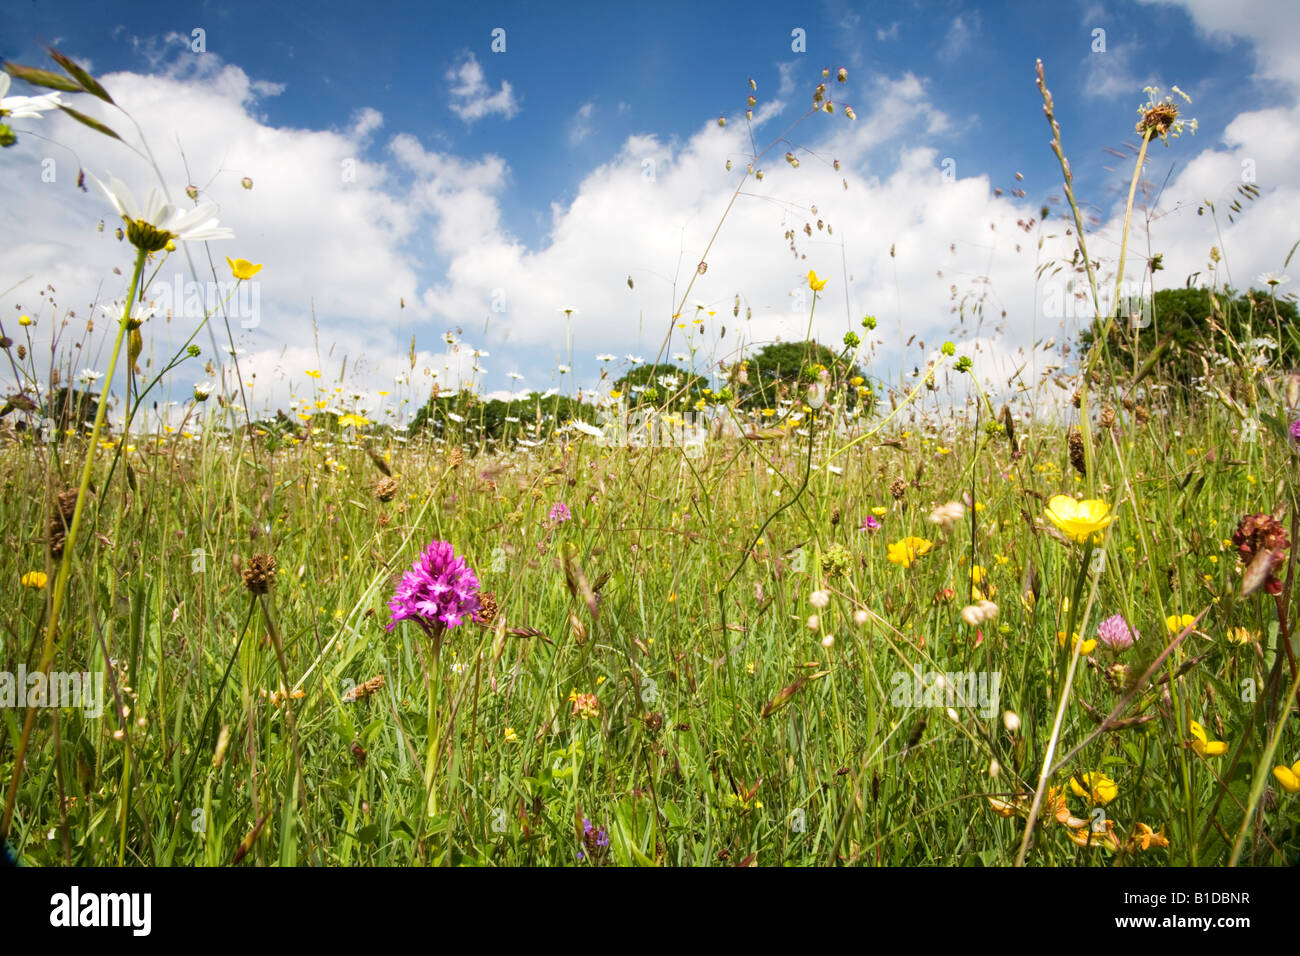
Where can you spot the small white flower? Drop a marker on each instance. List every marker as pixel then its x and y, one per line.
pixel 1272 279
pixel 564 369
pixel 454 417
pixel 88 376
pixel 635 359
pixel 25 107
pixel 604 358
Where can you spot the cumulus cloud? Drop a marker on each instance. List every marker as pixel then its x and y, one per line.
pixel 370 237
pixel 471 96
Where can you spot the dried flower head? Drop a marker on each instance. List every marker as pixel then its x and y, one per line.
pixel 386 489
pixel 260 573
pixel 362 691
pixel 1261 544
pixel 1160 116
pixel 487 609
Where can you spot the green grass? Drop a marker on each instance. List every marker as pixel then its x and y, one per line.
pixel 836 772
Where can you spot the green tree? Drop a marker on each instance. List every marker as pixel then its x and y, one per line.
pixel 778 370
pixel 529 416
pixel 1201 324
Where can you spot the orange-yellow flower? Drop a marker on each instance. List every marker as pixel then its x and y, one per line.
pixel 1096 786
pixel 1088 647
pixel 1204 746
pixel 1289 777
pixel 815 283
pixel 1144 838
pixel 907 550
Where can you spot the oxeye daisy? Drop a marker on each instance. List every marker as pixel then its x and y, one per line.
pixel 150 227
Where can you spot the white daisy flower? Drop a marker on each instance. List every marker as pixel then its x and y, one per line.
pixel 25 107
pixel 151 226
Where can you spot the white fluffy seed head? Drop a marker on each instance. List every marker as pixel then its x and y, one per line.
pixel 1011 721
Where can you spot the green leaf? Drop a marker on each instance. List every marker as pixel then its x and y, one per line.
pixel 89 121
pixel 88 82
pixel 42 78
pixel 368 833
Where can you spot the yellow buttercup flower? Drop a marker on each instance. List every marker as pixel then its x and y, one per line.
pixel 511 736
pixel 1078 519
pixel 34 579
pixel 24 320
pixel 356 421
pixel 243 269
pixel 1204 746
pixel 907 550
pixel 312 373
pixel 1177 622
pixel 1289 777
pixel 815 283
pixel 1097 787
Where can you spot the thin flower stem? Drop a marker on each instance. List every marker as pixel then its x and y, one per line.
pixel 69 545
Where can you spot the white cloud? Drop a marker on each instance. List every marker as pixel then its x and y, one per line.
pixel 580 125
pixel 1271 27
pixel 960 33
pixel 887 33
pixel 1112 74
pixel 471 96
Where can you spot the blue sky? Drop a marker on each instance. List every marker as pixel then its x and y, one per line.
pixel 515 184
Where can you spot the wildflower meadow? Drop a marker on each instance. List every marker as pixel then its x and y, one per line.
pixel 833 598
